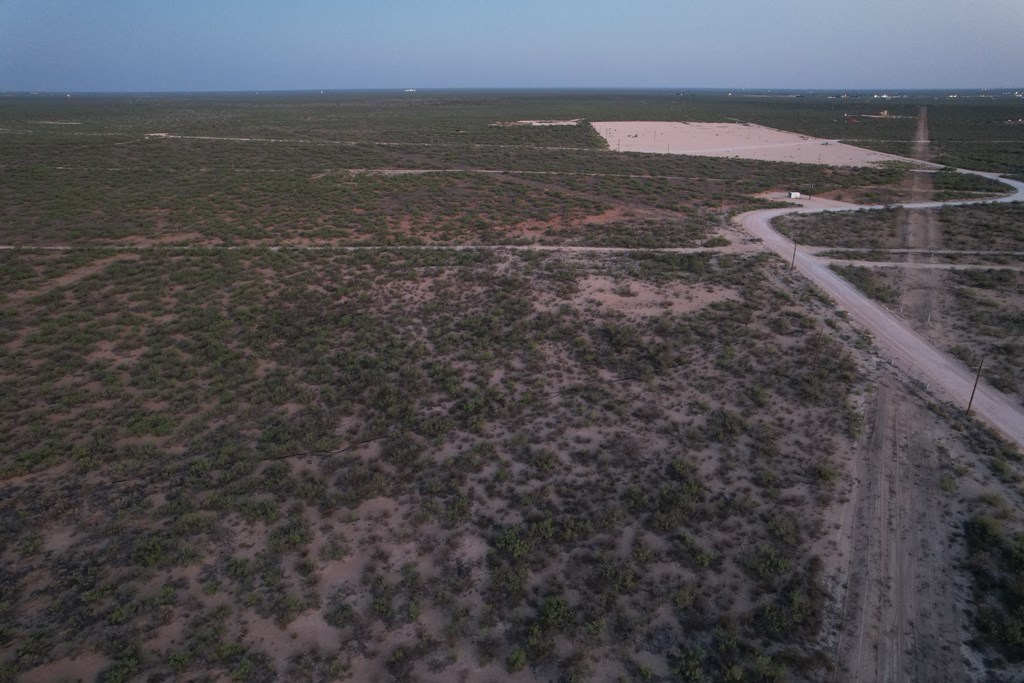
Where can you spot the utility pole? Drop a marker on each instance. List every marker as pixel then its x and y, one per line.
pixel 817 348
pixel 976 378
pixel 792 263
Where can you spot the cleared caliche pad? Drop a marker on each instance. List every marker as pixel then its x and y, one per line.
pixel 741 140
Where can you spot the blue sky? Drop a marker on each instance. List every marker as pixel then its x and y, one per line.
pixel 169 45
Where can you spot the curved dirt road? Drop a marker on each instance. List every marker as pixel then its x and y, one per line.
pixel 898 612
pixel 897 341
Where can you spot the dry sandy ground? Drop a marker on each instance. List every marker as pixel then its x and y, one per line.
pixel 920 230
pixel 900 617
pixel 811 203
pixel 539 122
pixel 742 140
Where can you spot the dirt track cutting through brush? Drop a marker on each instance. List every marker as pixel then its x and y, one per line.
pixel 899 621
pixel 896 340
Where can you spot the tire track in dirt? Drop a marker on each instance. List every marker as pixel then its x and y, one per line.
pixel 899 620
pixel 920 230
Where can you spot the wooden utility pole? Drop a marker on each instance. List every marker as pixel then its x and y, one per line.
pixel 792 263
pixel 976 378
pixel 817 348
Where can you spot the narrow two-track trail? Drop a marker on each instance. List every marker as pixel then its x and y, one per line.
pixel 920 230
pixel 899 619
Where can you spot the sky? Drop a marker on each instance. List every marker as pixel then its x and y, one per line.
pixel 218 45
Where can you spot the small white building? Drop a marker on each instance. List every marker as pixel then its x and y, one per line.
pixel 794 195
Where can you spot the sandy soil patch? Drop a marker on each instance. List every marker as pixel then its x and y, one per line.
pixel 538 122
pixel 742 140
pixel 641 299
pixel 808 202
pixel 84 667
pixel 72 277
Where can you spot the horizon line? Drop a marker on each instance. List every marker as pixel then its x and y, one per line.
pixel 411 90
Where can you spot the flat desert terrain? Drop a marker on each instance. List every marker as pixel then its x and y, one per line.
pixel 371 388
pixel 741 140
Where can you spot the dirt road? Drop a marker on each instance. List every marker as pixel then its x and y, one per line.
pixel 894 337
pixel 899 621
pixel 920 230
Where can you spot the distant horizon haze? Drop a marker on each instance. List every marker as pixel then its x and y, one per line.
pixel 142 46
pixel 526 90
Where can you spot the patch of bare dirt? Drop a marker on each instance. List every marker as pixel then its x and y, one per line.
pixel 900 619
pixel 920 230
pixel 80 668
pixel 642 299
pixel 537 228
pixel 742 140
pixel 73 276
